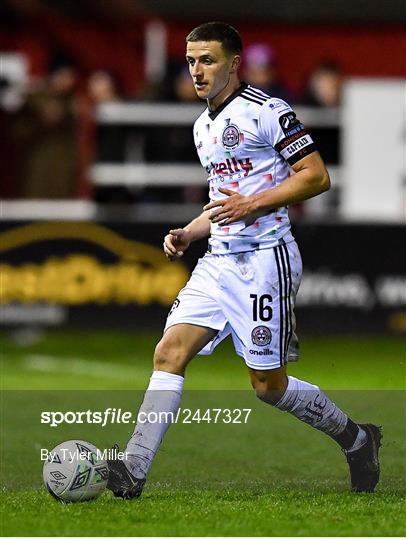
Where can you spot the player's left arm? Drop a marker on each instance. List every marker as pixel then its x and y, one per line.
pixel 310 178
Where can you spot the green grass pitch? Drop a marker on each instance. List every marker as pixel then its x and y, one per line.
pixel 273 476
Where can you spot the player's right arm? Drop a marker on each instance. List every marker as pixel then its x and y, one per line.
pixel 177 241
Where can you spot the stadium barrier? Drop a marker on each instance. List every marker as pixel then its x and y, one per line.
pixel 124 142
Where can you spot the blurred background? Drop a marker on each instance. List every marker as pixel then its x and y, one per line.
pixel 98 160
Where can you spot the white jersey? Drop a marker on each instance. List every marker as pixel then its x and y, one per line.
pixel 247 145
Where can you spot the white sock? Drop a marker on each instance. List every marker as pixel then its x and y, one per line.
pixel 163 395
pixel 308 403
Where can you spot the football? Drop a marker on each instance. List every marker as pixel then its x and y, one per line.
pixel 75 471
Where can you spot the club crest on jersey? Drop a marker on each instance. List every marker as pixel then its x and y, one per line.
pixel 261 336
pixel 231 137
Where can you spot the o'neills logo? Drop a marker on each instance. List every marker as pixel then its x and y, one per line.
pixel 81 263
pixel 265 352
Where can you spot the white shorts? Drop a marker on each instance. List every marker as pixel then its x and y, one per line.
pixel 249 295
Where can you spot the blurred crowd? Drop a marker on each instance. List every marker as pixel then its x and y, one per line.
pixel 50 138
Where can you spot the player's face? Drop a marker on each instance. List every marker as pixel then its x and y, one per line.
pixel 210 68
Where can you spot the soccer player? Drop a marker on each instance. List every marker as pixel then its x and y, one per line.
pixel 259 159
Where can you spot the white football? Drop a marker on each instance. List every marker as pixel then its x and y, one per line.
pixel 75 471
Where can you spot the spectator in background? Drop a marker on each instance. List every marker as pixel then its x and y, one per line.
pixel 177 86
pixel 324 86
pixel 102 87
pixel 45 131
pixel 185 93
pixel 102 143
pixel 178 142
pixel 260 70
pixel 63 81
pixel 183 88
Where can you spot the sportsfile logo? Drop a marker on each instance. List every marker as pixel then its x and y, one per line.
pixel 230 167
pixel 111 415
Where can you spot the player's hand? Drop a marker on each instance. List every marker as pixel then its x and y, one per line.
pixel 176 243
pixel 231 209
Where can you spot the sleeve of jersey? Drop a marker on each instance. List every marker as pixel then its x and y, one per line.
pixel 279 126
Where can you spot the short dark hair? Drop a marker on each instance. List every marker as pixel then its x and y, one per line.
pixel 227 35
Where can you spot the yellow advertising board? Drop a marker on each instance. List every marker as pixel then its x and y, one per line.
pixel 136 272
